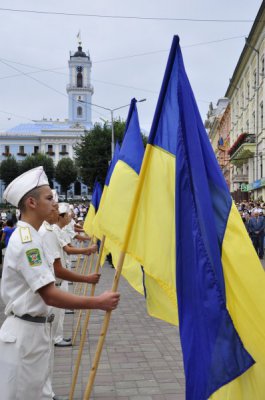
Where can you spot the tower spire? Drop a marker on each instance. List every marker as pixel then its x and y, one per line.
pixel 79 40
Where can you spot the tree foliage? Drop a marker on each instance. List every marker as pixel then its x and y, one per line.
pixel 9 170
pixel 93 153
pixel 36 161
pixel 65 173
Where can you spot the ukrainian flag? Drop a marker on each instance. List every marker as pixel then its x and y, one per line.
pixel 188 235
pixel 96 229
pixel 118 200
pixel 93 208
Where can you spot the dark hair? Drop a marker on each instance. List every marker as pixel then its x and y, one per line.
pixel 10 223
pixel 32 193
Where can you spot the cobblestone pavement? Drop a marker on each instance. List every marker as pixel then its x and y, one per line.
pixel 141 358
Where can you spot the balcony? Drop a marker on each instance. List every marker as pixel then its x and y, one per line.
pixel 84 88
pixel 50 153
pixel 243 149
pixel 240 178
pixel 63 153
pixel 22 154
pixel 6 154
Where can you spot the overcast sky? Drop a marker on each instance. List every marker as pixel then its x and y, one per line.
pixel 121 69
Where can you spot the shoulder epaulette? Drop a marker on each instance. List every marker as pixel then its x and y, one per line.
pixel 25 234
pixel 48 227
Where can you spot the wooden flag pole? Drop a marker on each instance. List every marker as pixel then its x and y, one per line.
pixel 85 293
pixel 103 332
pixel 115 284
pixel 86 321
pixel 78 259
pixel 78 286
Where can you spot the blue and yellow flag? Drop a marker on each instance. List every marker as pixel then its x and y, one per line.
pixel 93 208
pixel 120 195
pixel 188 236
pixel 96 229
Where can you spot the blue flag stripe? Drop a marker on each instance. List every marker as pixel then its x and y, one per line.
pixel 132 148
pixel 112 164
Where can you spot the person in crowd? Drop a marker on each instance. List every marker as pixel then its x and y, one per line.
pixel 28 291
pixel 256 227
pixel 7 232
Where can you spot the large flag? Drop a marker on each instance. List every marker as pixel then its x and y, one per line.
pixel 96 229
pixel 188 235
pixel 93 208
pixel 118 200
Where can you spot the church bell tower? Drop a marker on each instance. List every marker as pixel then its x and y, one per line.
pixel 79 88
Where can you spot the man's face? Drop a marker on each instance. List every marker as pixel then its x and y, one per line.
pixel 54 215
pixel 45 203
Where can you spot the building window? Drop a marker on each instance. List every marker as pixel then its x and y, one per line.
pixel 254 79
pixel 79 111
pixel 254 121
pixel 242 99
pixel 262 66
pixel 248 91
pixel 50 151
pixel 261 166
pixel 21 151
pixel 261 115
pixel 247 126
pixel 36 150
pixel 79 79
pixel 63 149
pixel 7 151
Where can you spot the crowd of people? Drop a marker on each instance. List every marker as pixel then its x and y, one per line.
pixel 253 216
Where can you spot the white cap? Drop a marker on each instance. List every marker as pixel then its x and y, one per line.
pixel 63 208
pixel 23 184
pixel 71 206
pixel 55 195
pixel 80 219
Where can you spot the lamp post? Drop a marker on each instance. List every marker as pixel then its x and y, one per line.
pixel 111 110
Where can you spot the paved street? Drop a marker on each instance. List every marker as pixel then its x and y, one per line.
pixel 141 359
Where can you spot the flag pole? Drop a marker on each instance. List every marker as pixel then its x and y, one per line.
pixel 116 279
pixel 85 293
pixel 78 259
pixel 86 321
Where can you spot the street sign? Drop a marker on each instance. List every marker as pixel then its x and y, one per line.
pixel 244 187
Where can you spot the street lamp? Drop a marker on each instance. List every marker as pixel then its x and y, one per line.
pixel 111 110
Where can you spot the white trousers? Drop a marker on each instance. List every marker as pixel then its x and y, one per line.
pixel 56 337
pixel 59 318
pixel 24 359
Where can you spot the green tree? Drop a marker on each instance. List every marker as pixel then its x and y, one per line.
pixel 65 173
pixel 93 152
pixel 9 169
pixel 36 161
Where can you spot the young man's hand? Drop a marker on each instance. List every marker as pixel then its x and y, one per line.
pixel 90 250
pixel 93 278
pixel 108 301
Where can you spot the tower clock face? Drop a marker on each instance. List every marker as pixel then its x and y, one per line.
pixel 79 69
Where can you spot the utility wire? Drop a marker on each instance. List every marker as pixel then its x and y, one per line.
pixel 128 16
pixel 47 86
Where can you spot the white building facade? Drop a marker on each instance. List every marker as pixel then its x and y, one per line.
pixel 57 138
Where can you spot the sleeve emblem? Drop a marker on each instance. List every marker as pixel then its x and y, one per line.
pixel 34 257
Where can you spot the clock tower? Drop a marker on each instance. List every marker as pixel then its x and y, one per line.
pixel 79 88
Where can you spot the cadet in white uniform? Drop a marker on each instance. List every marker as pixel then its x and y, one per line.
pixel 28 290
pixel 55 257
